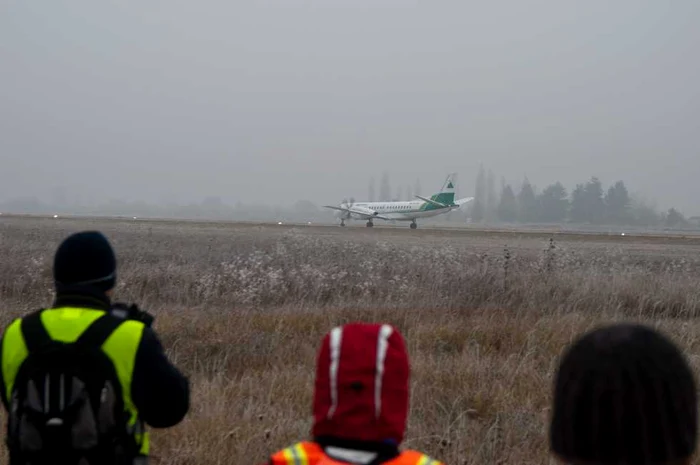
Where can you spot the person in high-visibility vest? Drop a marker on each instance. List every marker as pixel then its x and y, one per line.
pixel 360 404
pixel 60 400
pixel 624 394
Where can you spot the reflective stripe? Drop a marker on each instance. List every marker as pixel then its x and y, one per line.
pixel 288 456
pixel 426 460
pixel 302 453
pixel 299 454
pixel 412 457
pixel 336 341
pixel 382 347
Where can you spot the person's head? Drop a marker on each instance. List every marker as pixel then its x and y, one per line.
pixel 624 394
pixel 362 384
pixel 85 259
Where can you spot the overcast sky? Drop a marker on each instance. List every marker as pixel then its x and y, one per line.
pixel 275 101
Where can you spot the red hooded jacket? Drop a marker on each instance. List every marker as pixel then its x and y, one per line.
pixel 361 390
pixel 360 402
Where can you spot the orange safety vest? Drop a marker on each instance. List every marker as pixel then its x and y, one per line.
pixel 310 453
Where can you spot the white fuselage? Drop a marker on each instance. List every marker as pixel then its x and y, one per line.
pixel 399 211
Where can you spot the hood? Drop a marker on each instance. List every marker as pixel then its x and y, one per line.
pixel 361 390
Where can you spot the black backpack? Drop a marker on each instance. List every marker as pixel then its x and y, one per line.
pixel 66 405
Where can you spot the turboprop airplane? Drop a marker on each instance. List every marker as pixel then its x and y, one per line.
pixel 411 210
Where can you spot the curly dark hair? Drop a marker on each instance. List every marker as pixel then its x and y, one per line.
pixel 624 394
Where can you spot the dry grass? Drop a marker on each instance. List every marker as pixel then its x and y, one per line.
pixel 242 308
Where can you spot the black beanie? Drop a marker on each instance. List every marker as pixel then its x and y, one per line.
pixel 85 259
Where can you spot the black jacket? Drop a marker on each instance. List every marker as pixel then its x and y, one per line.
pixel 160 392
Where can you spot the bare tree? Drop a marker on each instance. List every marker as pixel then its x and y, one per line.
pixel 479 208
pixel 491 196
pixel 385 188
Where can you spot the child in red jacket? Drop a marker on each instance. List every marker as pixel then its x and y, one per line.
pixel 360 402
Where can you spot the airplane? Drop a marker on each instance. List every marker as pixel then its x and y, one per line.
pixel 411 210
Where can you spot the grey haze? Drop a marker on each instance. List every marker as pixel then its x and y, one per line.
pixel 276 101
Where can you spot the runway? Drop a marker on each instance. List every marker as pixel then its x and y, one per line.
pixel 379 231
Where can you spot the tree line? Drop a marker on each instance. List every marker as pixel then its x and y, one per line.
pixel 588 203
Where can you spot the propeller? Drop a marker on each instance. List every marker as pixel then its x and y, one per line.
pixel 348 204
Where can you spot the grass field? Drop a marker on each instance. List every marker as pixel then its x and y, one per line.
pixel 242 308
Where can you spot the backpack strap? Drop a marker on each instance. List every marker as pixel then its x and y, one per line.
pixel 34 332
pixel 99 331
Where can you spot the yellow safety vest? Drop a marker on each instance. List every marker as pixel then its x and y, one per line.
pixel 66 324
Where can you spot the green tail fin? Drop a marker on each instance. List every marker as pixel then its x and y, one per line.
pixel 446 195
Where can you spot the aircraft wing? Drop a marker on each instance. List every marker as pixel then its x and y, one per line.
pixel 437 204
pixel 355 211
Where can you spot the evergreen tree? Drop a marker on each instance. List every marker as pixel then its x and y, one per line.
pixel 508 205
pixel 553 203
pixel 372 190
pixel 479 208
pixel 674 219
pixel 577 211
pixel 643 213
pixel 385 188
pixel 617 204
pixel 594 202
pixel 527 203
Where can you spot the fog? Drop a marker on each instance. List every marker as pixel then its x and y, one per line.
pixel 274 102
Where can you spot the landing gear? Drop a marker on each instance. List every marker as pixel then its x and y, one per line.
pixel 370 224
pixel 413 224
pixel 342 223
